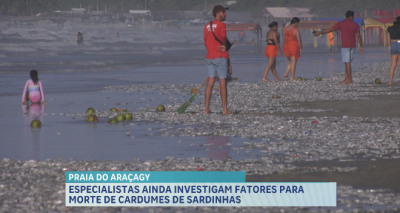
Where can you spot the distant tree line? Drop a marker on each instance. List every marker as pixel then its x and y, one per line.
pixel 321 8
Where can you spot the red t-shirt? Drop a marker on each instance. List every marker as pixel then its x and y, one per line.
pixel 348 30
pixel 212 45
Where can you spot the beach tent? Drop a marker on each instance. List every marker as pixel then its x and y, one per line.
pixel 386 20
pixel 283 14
pixel 374 31
pixel 254 27
pixel 316 25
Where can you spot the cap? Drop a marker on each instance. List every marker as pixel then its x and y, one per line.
pixel 219 8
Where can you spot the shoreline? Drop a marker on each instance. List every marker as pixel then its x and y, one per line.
pixel 269 132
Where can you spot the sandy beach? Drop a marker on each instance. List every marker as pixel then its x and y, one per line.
pixel 145 68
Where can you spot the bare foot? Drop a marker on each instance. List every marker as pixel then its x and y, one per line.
pixel 344 81
pixel 390 83
pixel 265 80
pixel 227 112
pixel 207 112
pixel 278 79
pixel 286 76
pixel 293 79
pixel 349 83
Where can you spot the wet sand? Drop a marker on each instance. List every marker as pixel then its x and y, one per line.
pixel 379 174
pixel 376 106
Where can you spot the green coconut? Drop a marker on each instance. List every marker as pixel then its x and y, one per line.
pixel 113 110
pixel 299 78
pixel 128 116
pixel 318 79
pixel 121 117
pixel 377 81
pixel 90 111
pixel 160 108
pixel 113 121
pixel 91 118
pixel 304 79
pixel 36 124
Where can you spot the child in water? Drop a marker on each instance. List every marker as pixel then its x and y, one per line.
pixel 33 90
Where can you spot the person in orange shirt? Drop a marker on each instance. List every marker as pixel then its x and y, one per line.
pixel 292 47
pixel 272 50
pixel 331 41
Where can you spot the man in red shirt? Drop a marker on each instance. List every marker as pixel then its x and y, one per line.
pixel 348 31
pixel 217 57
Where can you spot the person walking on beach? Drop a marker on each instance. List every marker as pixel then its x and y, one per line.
pixel 348 31
pixel 79 39
pixel 272 50
pixel 394 46
pixel 33 90
pixel 292 45
pixel 217 57
pixel 242 36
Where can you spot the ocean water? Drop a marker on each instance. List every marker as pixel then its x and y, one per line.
pixel 74 78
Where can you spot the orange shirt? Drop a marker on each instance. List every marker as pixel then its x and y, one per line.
pixel 331 39
pixel 212 45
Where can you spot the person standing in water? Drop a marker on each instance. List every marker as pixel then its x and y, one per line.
pixel 272 50
pixel 292 47
pixel 349 30
pixel 242 36
pixel 33 90
pixel 79 39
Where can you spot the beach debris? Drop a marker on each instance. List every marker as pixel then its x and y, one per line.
pixel 219 87
pixel 160 108
pixel 314 122
pixel 113 121
pixel 90 111
pixel 305 133
pixel 377 81
pixel 115 109
pixel 200 168
pixel 345 116
pixel 304 79
pixel 318 79
pixel 276 96
pixel 36 124
pixel 121 117
pixel 299 79
pixel 128 116
pixel 91 118
pixel 193 91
